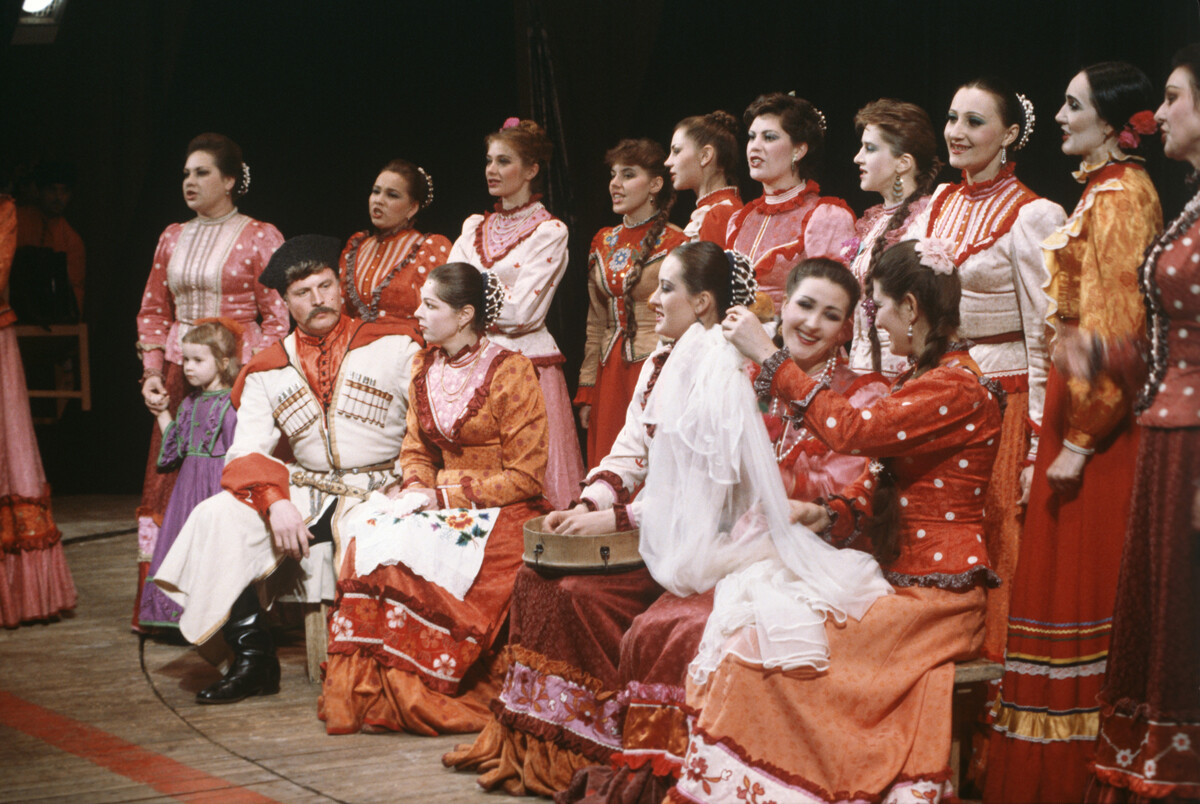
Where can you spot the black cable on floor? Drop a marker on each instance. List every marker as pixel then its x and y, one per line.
pixel 227 749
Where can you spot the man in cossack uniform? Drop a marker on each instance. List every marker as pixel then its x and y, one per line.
pixel 337 389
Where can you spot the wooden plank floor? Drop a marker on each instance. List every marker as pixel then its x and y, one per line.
pixel 81 722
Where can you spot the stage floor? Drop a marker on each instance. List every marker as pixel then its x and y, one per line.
pixel 89 714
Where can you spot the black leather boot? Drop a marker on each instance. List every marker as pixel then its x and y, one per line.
pixel 255 668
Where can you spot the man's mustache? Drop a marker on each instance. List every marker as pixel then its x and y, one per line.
pixel 316 311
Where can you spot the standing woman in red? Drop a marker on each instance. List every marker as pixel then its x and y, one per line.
pixel 791 220
pixel 622 273
pixel 704 159
pixel 996 226
pixel 898 160
pixel 35 583
pixel 204 268
pixel 1060 618
pixel 526 248
pixel 1150 715
pixel 384 267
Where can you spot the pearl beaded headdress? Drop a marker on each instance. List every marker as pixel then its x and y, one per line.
pixel 493 296
pixel 1030 119
pixel 245 188
pixel 428 186
pixel 742 282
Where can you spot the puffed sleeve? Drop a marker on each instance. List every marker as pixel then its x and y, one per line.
pixel 463 249
pixel 1036 221
pixel 1121 222
pixel 157 313
pixel 829 226
pixel 596 317
pixel 251 471
pixel 419 456
pixel 715 224
pixel 171 451
pixel 623 470
pixel 940 410
pixel 275 318
pixel 527 300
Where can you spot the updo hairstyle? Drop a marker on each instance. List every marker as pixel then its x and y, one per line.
pixel 530 143
pixel 802 122
pixel 720 130
pixel 227 155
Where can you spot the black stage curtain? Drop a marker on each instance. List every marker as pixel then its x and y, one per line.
pixel 321 94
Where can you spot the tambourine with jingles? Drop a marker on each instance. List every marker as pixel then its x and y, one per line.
pixel 563 554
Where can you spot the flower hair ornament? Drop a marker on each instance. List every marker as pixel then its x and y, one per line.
pixel 493 298
pixel 936 254
pixel 511 122
pixel 428 187
pixel 1030 119
pixel 245 188
pixel 743 285
pixel 1140 125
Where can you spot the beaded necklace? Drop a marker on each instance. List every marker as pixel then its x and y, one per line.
pixel 500 231
pixel 785 446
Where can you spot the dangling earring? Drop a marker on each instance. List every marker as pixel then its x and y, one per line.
pixel 910 330
pixel 1003 155
pixel 897 189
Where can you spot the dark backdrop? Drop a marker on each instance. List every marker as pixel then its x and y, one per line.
pixel 320 94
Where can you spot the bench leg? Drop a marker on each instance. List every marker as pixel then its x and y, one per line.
pixel 316 636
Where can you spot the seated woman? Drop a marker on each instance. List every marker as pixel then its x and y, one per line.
pixel 384 267
pixel 533 746
pixel 655 652
pixel 410 643
pixel 876 724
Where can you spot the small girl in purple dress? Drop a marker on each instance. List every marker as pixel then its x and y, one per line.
pixel 198 436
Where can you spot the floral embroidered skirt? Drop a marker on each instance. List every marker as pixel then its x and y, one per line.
pixel 560 707
pixel 1149 744
pixel 406 655
pixel 655 654
pixel 875 725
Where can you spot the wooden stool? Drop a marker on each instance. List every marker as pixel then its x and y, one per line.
pixel 970 695
pixel 66 391
pixel 316 638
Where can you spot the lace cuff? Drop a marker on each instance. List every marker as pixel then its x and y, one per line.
pixel 762 383
pixel 838 537
pixel 622 513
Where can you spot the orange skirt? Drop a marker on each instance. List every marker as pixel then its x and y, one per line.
pixel 1002 522
pixel 876 721
pixel 406 655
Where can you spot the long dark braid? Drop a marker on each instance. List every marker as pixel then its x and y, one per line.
pixel 906 129
pixel 899 271
pixel 638 264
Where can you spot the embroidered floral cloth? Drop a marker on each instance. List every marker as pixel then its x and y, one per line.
pixel 443 546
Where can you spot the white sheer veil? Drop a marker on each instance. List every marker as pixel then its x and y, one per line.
pixel 714 513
